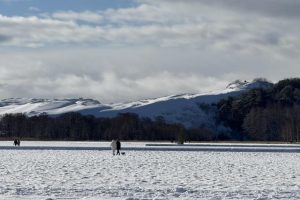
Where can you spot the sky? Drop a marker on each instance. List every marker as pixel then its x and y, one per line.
pixel 126 50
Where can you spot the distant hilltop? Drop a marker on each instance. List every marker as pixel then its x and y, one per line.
pixel 256 83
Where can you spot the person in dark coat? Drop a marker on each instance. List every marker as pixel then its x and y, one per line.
pixel 118 147
pixel 15 142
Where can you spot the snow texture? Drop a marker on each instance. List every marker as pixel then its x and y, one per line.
pixel 83 174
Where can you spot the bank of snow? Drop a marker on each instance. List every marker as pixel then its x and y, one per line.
pixel 148 175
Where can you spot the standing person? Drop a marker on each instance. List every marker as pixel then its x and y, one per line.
pixel 113 145
pixel 15 142
pixel 118 147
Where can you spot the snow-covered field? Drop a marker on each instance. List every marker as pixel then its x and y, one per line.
pixel 82 174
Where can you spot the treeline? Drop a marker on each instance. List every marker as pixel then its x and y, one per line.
pixel 266 115
pixel 74 126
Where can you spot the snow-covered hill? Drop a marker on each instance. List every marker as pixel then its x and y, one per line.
pixel 191 110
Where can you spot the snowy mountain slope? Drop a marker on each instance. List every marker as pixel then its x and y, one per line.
pixel 191 110
pixel 51 107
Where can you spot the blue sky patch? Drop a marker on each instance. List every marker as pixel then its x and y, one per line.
pixel 31 7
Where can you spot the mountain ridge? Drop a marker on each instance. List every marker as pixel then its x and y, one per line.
pixel 190 110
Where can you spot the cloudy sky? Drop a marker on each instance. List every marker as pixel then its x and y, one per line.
pixel 123 50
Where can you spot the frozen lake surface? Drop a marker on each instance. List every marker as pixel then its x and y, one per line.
pixel 142 146
pixel 92 174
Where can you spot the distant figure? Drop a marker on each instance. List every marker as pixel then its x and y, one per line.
pixel 118 147
pixel 17 142
pixel 113 146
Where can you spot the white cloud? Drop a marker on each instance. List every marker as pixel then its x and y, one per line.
pixel 200 24
pixel 156 48
pixel 263 35
pixel 124 74
pixel 87 16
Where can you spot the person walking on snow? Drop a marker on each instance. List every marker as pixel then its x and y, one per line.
pixel 118 147
pixel 113 146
